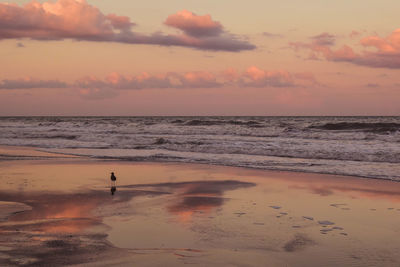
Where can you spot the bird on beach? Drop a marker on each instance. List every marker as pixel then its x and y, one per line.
pixel 113 179
pixel 113 183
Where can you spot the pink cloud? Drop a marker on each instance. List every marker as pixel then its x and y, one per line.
pixel 78 20
pixel 385 52
pixel 194 25
pixel 230 75
pixel 390 44
pixel 57 20
pixel 93 88
pixel 252 77
pixel 200 79
pixel 120 22
pixel 255 77
pixel 344 53
pixel 354 34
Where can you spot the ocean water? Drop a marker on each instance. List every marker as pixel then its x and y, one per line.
pixel 357 146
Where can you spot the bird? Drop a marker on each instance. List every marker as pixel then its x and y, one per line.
pixel 113 179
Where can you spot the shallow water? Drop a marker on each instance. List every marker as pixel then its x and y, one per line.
pixel 358 146
pixel 210 215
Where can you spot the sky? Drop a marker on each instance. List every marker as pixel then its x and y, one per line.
pixel 190 57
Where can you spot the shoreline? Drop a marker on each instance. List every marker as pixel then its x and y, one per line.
pixel 183 213
pixel 60 155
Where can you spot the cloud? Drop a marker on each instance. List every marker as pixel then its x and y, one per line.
pixel 372 85
pixel 230 74
pixel 93 88
pixel 252 77
pixel 255 77
pixel 390 44
pixel 200 79
pixel 31 83
pixel 323 39
pixel 354 34
pixel 78 20
pixel 202 32
pixel 194 25
pixel 272 35
pixel 378 53
pixel 74 19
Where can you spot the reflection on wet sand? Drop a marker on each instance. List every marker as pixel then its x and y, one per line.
pixel 64 212
pixel 202 215
pixel 197 196
pixel 353 189
pixel 113 190
pixel 60 213
pixel 202 197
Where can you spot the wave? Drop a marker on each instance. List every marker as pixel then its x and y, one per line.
pixel 321 144
pixel 56 136
pixel 218 122
pixel 377 170
pixel 161 141
pixel 378 127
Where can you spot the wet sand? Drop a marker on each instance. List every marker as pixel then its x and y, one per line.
pixel 60 211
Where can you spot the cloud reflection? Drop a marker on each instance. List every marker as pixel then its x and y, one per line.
pixel 74 212
pixel 197 196
pixel 64 212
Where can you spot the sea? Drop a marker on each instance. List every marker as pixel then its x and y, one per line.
pixel 357 146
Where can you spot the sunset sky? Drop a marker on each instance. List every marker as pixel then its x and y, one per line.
pixel 191 57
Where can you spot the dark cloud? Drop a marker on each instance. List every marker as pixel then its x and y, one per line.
pixel 30 83
pixel 323 39
pixel 372 85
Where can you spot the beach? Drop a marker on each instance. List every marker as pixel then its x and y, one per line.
pixel 205 133
pixel 59 210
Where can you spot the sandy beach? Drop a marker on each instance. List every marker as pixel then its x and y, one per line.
pixel 205 133
pixel 58 210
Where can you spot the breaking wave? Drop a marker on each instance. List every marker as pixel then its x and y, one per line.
pixel 377 127
pixel 358 146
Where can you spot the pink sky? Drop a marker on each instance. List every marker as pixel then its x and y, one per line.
pixel 77 57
